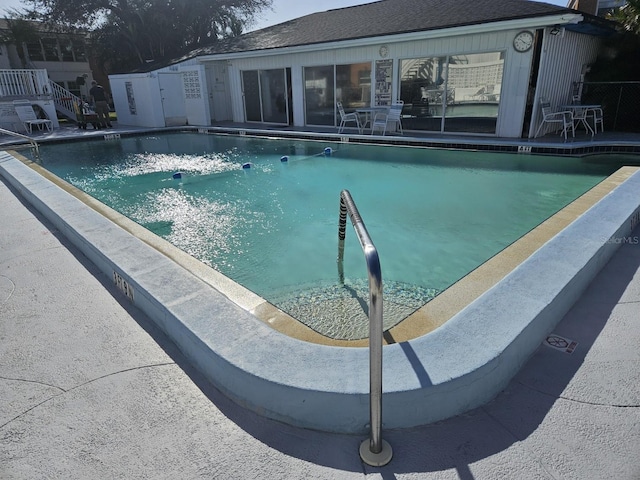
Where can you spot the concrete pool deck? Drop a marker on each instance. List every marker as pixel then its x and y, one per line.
pixel 66 346
pixel 93 389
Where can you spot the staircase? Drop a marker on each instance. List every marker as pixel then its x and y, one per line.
pixel 34 84
pixel 64 100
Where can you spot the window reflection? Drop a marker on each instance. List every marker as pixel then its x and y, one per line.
pixel 475 82
pixel 422 88
pixel 460 93
pixel 265 96
pixel 319 98
pixel 350 84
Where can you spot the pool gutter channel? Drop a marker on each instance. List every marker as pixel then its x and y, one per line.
pixel 459 366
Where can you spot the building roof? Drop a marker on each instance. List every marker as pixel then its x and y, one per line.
pixel 381 18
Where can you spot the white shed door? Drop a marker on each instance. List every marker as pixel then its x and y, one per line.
pixel 173 102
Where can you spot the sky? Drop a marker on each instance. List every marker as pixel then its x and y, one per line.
pixel 282 10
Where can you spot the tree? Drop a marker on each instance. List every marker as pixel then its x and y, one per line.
pixel 628 16
pixel 134 32
pixel 19 31
pixel 619 58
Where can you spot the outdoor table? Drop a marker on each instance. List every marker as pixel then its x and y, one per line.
pixel 586 107
pixel 369 113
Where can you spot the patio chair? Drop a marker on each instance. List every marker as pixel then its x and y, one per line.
pixel 598 118
pixel 348 117
pixel 28 117
pixel 549 117
pixel 580 117
pixel 393 116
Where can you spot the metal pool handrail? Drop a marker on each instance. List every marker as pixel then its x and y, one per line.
pixel 374 451
pixel 34 144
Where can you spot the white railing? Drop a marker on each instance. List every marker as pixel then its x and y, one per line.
pixel 64 100
pixel 24 83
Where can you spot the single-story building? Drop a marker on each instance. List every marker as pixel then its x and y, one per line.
pixel 469 66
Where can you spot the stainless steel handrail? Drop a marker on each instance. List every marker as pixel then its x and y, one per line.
pixel 34 145
pixel 374 451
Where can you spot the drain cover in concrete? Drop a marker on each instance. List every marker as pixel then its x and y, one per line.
pixel 560 343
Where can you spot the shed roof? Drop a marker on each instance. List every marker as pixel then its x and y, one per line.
pixel 381 18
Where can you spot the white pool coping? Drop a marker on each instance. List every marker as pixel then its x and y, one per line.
pixel 459 366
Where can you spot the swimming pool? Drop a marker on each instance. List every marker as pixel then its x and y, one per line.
pixel 434 215
pixel 488 335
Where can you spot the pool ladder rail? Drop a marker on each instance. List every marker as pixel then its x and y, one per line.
pixel 35 149
pixel 374 451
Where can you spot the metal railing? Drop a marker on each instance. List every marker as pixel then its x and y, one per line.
pixel 35 149
pixel 620 103
pixel 374 451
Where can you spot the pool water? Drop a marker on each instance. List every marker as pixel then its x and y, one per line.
pixel 434 215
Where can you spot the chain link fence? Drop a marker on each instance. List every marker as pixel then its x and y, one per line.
pixel 620 103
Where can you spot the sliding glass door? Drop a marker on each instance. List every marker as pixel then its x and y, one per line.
pixel 266 98
pixel 459 93
pixel 327 84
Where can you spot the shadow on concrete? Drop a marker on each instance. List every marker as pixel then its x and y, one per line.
pixel 454 443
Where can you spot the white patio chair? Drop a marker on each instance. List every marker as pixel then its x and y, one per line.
pixel 393 116
pixel 28 117
pixel 549 117
pixel 348 117
pixel 598 118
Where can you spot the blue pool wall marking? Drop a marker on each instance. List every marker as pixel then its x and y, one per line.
pixel 315 386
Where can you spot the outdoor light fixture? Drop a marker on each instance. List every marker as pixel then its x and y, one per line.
pixel 555 31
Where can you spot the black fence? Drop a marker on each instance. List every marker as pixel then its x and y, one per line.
pixel 620 103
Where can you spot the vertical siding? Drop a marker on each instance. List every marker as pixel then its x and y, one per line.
pixel 571 50
pixel 563 61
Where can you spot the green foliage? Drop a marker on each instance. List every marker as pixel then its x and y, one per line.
pixel 619 58
pixel 127 34
pixel 19 31
pixel 628 16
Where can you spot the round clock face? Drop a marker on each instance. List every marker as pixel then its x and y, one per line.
pixel 384 51
pixel 523 41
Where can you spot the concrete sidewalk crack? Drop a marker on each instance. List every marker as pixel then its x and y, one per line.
pixel 140 367
pixel 574 400
pixel 63 391
pixel 32 381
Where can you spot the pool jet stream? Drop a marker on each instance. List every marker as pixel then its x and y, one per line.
pixel 374 451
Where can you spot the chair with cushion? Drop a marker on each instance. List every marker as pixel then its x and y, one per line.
pixel 393 116
pixel 348 117
pixel 28 117
pixel 560 118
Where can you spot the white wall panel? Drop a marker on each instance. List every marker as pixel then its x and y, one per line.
pixel 564 59
pixel 513 89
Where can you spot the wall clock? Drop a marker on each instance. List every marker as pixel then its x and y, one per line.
pixel 523 41
pixel 384 51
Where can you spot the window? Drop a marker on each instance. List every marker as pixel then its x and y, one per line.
pixel 34 50
pixel 266 95
pixel 460 93
pixel 325 85
pixel 79 50
pixel 319 95
pixel 66 48
pixel 50 46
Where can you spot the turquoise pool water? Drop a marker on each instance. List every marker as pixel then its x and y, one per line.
pixel 434 215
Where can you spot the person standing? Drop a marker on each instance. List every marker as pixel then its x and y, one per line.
pixel 101 104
